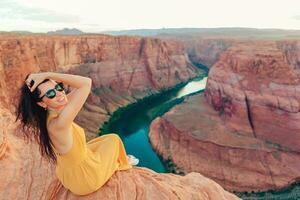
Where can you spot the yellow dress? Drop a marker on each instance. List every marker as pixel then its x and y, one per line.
pixel 88 166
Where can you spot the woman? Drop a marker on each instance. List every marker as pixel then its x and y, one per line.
pixel 48 113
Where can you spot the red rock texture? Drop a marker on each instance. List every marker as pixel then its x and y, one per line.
pixel 245 131
pixel 291 53
pixel 257 89
pixel 122 69
pixel 206 50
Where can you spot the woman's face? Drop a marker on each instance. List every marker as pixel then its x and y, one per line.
pixel 59 101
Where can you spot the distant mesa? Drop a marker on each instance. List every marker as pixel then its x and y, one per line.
pixel 240 32
pixel 66 31
pixel 178 33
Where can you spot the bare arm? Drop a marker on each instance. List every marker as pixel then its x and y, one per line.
pixel 79 96
pixel 70 95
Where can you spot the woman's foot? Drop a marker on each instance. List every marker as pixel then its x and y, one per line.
pixel 132 159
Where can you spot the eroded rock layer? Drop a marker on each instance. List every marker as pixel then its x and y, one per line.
pixel 244 130
pixel 123 68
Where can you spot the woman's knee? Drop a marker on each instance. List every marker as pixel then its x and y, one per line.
pixel 114 136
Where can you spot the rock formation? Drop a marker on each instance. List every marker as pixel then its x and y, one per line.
pixel 206 50
pixel 203 50
pixel 245 131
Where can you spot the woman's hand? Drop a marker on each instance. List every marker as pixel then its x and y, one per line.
pixel 35 79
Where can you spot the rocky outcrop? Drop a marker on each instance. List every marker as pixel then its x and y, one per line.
pixel 24 173
pixel 258 90
pixel 205 144
pixel 206 51
pixel 143 183
pixel 244 132
pixel 291 52
pixel 122 69
pixel 23 169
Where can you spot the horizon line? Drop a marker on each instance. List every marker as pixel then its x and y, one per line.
pixel 132 29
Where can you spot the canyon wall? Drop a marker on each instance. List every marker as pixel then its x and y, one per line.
pixel 245 131
pixel 123 68
pixel 206 51
pixel 203 50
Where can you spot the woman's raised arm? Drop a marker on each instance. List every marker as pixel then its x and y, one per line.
pixel 69 112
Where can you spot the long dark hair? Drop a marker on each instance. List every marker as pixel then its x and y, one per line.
pixel 33 119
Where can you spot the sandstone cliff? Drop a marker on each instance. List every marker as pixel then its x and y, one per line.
pixel 244 132
pixel 123 69
pixel 203 50
pixel 206 50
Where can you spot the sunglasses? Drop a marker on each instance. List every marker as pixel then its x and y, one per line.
pixel 52 92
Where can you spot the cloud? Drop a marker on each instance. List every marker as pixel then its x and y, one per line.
pixel 11 10
pixel 91 24
pixel 296 17
pixel 98 15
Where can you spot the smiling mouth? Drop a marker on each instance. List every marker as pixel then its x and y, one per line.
pixel 61 99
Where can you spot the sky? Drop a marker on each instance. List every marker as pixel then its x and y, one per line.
pixel 99 15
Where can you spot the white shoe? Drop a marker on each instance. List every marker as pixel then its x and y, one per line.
pixel 132 159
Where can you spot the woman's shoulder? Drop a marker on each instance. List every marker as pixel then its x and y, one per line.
pixel 51 119
pixel 60 138
pixel 52 129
